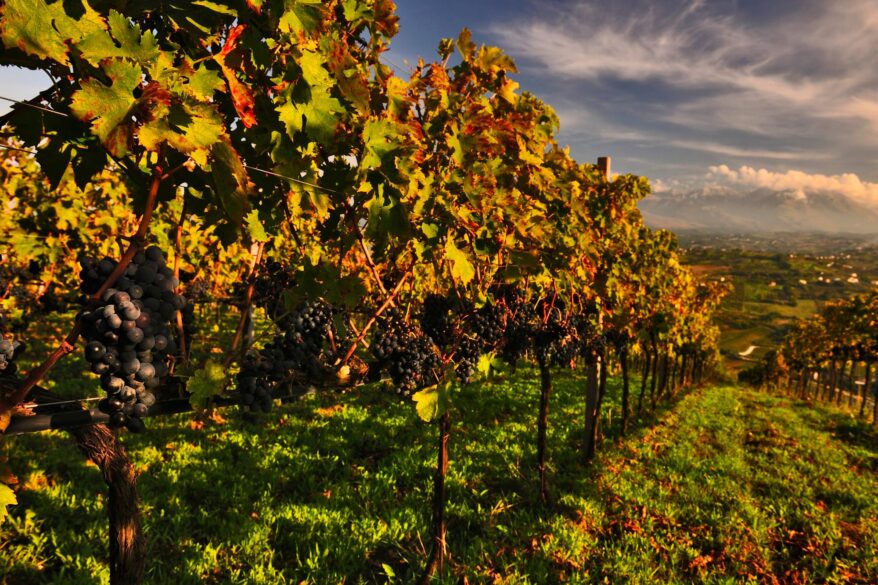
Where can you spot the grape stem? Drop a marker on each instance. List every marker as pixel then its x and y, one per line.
pixel 68 344
pixel 255 257
pixel 178 251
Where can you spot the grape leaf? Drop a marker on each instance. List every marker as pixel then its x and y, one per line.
pixel 230 180
pixel 255 227
pixel 7 498
pixel 310 106
pixel 108 107
pixel 203 83
pixel 124 40
pixel 433 402
pixel 302 16
pixel 461 268
pixel 317 116
pixel 42 29
pixel 205 384
pixel 242 95
pixel 380 138
pixel 189 128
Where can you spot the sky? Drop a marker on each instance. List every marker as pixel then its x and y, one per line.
pixel 779 95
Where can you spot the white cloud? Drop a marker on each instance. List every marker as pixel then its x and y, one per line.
pixel 800 183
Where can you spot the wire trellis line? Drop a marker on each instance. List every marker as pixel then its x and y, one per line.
pixel 35 106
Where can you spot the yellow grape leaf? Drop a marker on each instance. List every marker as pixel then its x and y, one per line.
pixel 461 268
pixel 7 498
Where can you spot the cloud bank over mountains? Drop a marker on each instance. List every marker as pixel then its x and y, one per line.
pixel 758 200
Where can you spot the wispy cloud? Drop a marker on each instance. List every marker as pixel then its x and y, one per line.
pixel 718 69
pixel 727 150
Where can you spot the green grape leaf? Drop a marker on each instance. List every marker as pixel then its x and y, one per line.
pixel 205 384
pixel 191 129
pixel 108 107
pixel 124 40
pixel 255 227
pixel 380 138
pixel 42 29
pixel 431 230
pixel 302 16
pixel 462 270
pixel 310 107
pixel 434 401
pixel 7 498
pixel 318 117
pixel 230 180
pixel 203 83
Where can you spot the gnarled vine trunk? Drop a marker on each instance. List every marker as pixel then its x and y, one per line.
pixel 127 544
pixel 542 427
pixel 438 551
pixel 592 395
pixel 644 380
pixel 623 363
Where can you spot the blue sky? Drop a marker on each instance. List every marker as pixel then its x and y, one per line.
pixel 780 94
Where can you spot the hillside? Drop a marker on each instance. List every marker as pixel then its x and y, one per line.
pixel 729 486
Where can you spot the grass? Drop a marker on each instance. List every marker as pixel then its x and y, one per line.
pixel 729 486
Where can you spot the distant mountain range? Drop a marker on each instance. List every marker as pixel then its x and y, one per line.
pixel 722 209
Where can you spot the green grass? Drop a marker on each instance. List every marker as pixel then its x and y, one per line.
pixel 729 486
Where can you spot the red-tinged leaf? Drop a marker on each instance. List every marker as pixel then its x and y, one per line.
pixel 242 95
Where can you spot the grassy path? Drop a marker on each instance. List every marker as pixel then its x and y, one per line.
pixel 729 486
pixel 736 487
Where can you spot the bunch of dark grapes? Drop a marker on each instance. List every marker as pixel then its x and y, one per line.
pixel 306 334
pixel 260 373
pixel 128 332
pixel 591 341
pixel 552 339
pixel 409 357
pixel 520 328
pixel 301 347
pixel 467 359
pixel 437 321
pixel 196 289
pixel 269 284
pixel 488 323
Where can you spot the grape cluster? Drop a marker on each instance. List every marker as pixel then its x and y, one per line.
pixel 489 323
pixel 409 357
pixel 520 319
pixel 260 373
pixel 467 359
pixel 554 339
pixel 128 332
pixel 591 340
pixel 300 347
pixel 437 321
pixel 269 284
